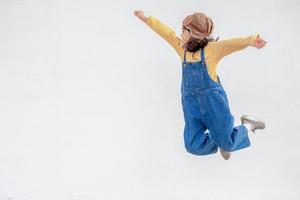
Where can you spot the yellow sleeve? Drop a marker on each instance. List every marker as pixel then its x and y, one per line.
pixel 223 48
pixel 165 32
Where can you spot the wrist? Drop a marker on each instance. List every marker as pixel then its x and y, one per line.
pixel 144 19
pixel 253 39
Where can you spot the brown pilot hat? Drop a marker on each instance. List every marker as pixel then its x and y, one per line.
pixel 199 25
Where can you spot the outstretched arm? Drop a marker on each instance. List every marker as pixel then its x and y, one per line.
pixel 223 48
pixel 161 29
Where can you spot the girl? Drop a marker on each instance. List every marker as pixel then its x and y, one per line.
pixel 207 116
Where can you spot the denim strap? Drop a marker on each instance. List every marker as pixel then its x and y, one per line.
pixel 202 55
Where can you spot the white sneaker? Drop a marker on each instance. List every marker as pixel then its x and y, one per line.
pixel 254 122
pixel 225 154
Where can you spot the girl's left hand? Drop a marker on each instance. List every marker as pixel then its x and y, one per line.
pixel 260 43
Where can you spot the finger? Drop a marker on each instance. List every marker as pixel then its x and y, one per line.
pixel 263 41
pixel 260 40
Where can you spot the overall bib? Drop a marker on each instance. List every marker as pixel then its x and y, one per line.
pixel 209 123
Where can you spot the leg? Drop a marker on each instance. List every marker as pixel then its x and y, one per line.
pixel 220 121
pixel 196 140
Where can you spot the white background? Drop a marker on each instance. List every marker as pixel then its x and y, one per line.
pixel 90 102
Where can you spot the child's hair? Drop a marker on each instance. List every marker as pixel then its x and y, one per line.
pixel 196 44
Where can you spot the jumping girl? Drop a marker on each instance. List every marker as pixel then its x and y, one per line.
pixel 209 124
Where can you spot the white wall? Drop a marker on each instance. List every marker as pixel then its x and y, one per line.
pixel 90 102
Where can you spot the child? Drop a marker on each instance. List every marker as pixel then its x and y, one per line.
pixel 207 116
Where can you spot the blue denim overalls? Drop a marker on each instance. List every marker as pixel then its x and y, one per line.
pixel 207 116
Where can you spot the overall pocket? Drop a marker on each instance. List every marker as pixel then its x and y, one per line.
pixel 194 79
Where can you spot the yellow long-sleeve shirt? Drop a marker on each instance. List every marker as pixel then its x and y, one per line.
pixel 214 51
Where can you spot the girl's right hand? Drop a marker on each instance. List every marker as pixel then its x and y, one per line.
pixel 140 14
pixel 259 43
